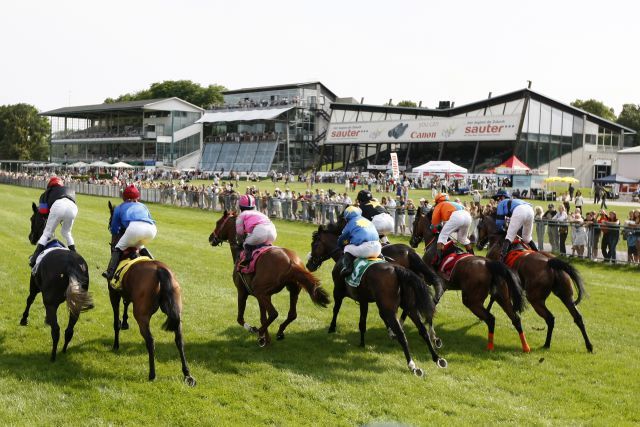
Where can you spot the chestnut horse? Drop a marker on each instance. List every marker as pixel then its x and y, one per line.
pixel 62 275
pixel 276 269
pixel 324 246
pixel 541 274
pixel 477 277
pixel 149 285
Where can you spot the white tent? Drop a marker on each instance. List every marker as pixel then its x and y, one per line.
pixel 99 164
pixel 121 165
pixel 435 166
pixel 78 165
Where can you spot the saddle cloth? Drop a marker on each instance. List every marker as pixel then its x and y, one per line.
pixel 360 266
pixel 255 256
pixel 450 261
pixel 122 269
pixel 52 245
pixel 518 248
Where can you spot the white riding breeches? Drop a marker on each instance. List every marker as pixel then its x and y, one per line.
pixel 459 222
pixel 137 234
pixel 62 211
pixel 522 217
pixel 365 250
pixel 262 234
pixel 384 223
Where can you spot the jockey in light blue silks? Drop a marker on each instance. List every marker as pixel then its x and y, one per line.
pixel 520 215
pixel 359 239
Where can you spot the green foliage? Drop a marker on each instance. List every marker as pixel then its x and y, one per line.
pixel 595 107
pixel 23 134
pixel 310 378
pixel 630 117
pixel 184 89
pixel 407 103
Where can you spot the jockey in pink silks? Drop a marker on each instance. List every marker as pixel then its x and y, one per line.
pixel 256 228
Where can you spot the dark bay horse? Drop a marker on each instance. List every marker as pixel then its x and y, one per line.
pixel 150 285
pixel 324 246
pixel 387 284
pixel 62 275
pixel 477 277
pixel 541 274
pixel 275 270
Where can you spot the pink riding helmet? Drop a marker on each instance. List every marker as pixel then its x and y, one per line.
pixel 247 201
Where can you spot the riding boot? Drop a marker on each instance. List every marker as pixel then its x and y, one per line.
pixel 113 264
pixel 248 251
pixel 72 248
pixel 505 249
pixel 347 264
pixel 533 246
pixel 145 252
pixel 32 259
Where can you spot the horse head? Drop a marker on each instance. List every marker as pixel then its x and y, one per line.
pixel 224 230
pixel 487 230
pixel 417 234
pixel 38 221
pixel 324 244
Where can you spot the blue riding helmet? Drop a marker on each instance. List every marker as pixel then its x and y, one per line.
pixel 501 193
pixel 352 212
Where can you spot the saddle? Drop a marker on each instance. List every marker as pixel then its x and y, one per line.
pixel 255 255
pixel 451 255
pixel 124 266
pixel 518 248
pixel 51 245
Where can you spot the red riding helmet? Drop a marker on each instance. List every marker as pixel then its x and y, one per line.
pixel 131 193
pixel 55 182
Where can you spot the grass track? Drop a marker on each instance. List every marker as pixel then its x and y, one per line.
pixel 310 378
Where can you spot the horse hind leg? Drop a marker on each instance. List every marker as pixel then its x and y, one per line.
pixel 33 292
pixel 483 314
pixel 542 310
pixel 52 321
pixel 294 292
pixel 577 318
pixel 68 333
pixel 188 379
pixel 143 324
pixel 362 324
pixel 442 363
pixel 504 302
pixel 390 319
pixel 125 316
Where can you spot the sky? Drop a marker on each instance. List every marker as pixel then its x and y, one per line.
pixel 61 53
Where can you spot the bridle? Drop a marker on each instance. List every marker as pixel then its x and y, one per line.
pixel 216 238
pixel 316 261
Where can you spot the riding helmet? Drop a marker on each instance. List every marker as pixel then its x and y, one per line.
pixel 501 194
pixel 247 201
pixel 441 198
pixel 352 212
pixel 55 182
pixel 131 193
pixel 364 196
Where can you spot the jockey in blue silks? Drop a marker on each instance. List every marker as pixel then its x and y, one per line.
pixel 359 239
pixel 519 215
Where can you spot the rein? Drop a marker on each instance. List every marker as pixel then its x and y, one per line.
pixel 215 234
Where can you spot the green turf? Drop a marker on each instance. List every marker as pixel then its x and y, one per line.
pixel 310 378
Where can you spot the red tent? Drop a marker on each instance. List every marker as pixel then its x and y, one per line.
pixel 512 163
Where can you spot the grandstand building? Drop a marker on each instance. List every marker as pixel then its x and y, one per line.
pixel 543 133
pixel 264 128
pixel 150 132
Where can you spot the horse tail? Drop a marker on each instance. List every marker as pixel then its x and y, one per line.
pixel 414 292
pixel 168 300
pixel 557 265
pixel 416 264
pixel 77 296
pixel 500 271
pixel 305 279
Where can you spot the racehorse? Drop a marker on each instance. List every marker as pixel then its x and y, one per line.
pixel 541 274
pixel 149 285
pixel 61 275
pixel 276 269
pixel 324 246
pixel 477 277
pixel 387 284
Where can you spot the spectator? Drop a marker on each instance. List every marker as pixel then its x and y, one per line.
pixel 540 226
pixel 603 195
pixel 579 201
pixel 578 234
pixel 611 235
pixel 565 201
pixel 552 229
pixel 561 218
pixel 411 215
pixel 591 221
pixel 571 190
pixel 629 234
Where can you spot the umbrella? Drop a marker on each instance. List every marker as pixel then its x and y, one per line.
pixel 553 179
pixel 569 180
pixel 78 165
pixel 121 165
pixel 99 164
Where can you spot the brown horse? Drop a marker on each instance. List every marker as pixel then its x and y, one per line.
pixel 541 274
pixel 275 270
pixel 150 285
pixel 387 284
pixel 324 246
pixel 477 277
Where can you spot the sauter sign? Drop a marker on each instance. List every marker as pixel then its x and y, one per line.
pixel 493 128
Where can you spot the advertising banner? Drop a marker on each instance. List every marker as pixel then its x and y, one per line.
pixel 395 169
pixel 438 129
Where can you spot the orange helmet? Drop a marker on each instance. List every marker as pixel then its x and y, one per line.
pixel 441 198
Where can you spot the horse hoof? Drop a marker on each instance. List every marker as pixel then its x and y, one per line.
pixel 24 322
pixel 437 343
pixel 124 326
pixel 280 336
pixel 253 330
pixel 392 336
pixel 418 372
pixel 590 348
pixel 152 377
pixel 190 381
pixel 332 330
pixel 262 342
pixel 442 363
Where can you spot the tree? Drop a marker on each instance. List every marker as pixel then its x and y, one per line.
pixel 407 103
pixel 630 117
pixel 595 107
pixel 184 89
pixel 24 135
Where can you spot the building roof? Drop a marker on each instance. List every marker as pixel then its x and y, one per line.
pixel 511 96
pixel 242 115
pixel 277 87
pixel 83 110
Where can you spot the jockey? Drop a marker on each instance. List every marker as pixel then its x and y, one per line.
pixel 58 204
pixel 256 228
pixel 521 216
pixel 133 221
pixel 359 239
pixel 376 213
pixel 455 219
